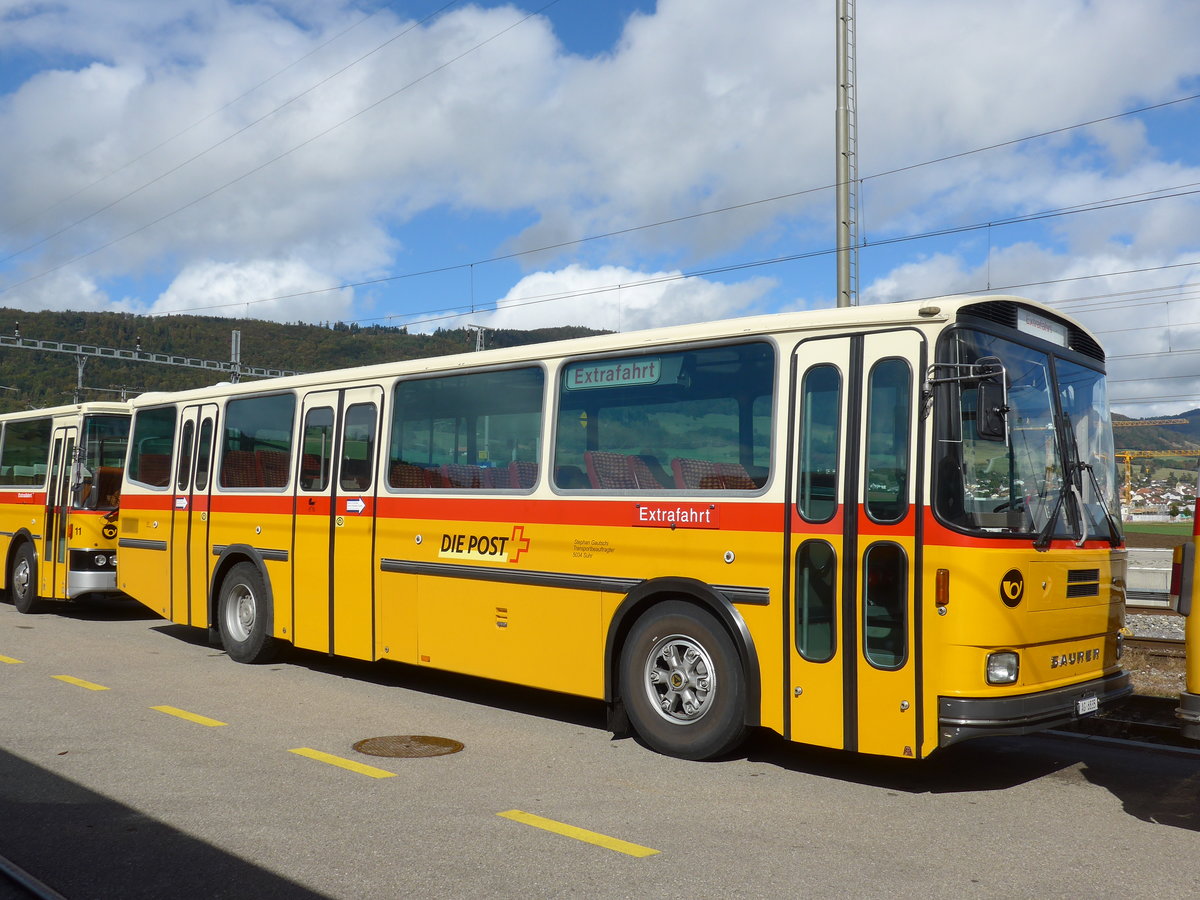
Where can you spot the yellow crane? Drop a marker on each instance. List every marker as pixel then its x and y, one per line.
pixel 1132 423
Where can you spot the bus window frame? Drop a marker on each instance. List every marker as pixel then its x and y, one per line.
pixel 389 412
pixel 775 458
pixel 944 410
pixel 168 486
pixel 910 436
pixel 220 438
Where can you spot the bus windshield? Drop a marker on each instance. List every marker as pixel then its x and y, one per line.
pixel 1051 471
pixel 101 459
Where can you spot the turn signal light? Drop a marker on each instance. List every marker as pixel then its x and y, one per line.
pixel 941 593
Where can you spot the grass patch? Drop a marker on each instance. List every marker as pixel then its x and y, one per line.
pixel 1159 527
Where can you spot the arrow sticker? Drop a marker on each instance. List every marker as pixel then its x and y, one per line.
pixel 181 502
pixel 355 505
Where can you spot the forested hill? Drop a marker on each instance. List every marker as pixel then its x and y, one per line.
pixel 33 378
pixel 1177 436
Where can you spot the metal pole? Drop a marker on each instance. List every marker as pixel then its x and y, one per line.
pixel 846 167
pixel 235 356
pixel 80 362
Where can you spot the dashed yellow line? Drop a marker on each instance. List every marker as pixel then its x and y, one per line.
pixel 579 834
pixel 343 763
pixel 10 660
pixel 79 682
pixel 190 716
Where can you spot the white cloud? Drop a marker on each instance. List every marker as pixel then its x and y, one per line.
pixel 240 290
pixel 618 299
pixel 694 109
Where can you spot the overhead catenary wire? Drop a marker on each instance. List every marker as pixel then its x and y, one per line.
pixel 217 111
pixel 776 198
pixel 242 130
pixel 715 270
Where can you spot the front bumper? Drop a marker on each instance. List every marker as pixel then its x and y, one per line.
pixel 80 583
pixel 960 718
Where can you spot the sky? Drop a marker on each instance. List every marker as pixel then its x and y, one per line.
pixel 619 164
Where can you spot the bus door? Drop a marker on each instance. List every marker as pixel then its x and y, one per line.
pixel 191 564
pixel 852 546
pixel 333 544
pixel 53 552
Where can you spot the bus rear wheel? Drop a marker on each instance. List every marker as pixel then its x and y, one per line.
pixel 244 616
pixel 22 580
pixel 682 683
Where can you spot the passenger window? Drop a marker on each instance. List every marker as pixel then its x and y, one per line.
pixel 889 412
pixel 820 432
pixel 358 448
pixel 258 442
pixel 184 477
pixel 26 448
pixel 816 601
pixel 697 420
pixel 478 431
pixel 204 455
pixel 151 446
pixel 316 450
pixel 885 600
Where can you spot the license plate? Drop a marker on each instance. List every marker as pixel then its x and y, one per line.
pixel 1086 705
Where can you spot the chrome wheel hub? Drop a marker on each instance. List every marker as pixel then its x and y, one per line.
pixel 679 679
pixel 240 613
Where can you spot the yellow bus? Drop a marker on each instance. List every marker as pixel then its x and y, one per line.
pixel 60 483
pixel 883 529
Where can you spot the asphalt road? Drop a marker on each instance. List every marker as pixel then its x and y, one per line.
pixel 104 795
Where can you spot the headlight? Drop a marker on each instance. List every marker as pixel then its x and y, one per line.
pixel 101 559
pixel 112 560
pixel 1003 667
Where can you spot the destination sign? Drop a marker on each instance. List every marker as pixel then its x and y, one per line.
pixel 613 373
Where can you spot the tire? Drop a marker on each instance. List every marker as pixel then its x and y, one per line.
pixel 22 580
pixel 244 616
pixel 682 683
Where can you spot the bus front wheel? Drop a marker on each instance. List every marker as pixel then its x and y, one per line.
pixel 244 616
pixel 22 580
pixel 682 682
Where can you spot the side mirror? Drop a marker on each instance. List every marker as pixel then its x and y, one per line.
pixel 991 414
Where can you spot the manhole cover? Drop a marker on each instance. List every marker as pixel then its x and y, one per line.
pixel 408 746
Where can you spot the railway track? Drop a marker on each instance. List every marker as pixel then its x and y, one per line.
pixel 1156 646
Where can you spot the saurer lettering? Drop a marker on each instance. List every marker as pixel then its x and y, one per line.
pixel 1071 659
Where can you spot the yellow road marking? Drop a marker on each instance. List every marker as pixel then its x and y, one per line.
pixel 580 834
pixel 343 763
pixel 191 717
pixel 9 659
pixel 79 682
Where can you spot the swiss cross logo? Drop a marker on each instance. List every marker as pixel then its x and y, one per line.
pixel 520 543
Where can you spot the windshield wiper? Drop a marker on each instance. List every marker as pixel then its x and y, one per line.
pixel 1073 483
pixel 1114 533
pixel 1069 449
pixel 1042 541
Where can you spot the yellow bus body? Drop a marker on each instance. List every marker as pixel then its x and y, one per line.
pixel 56 520
pixel 545 585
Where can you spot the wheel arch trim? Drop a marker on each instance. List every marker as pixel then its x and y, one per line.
pixel 642 597
pixel 229 557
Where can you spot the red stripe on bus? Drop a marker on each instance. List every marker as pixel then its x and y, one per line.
pixel 730 516
pixel 939 535
pixel 906 527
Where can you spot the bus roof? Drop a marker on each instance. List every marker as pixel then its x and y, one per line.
pixel 99 407
pixel 938 310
